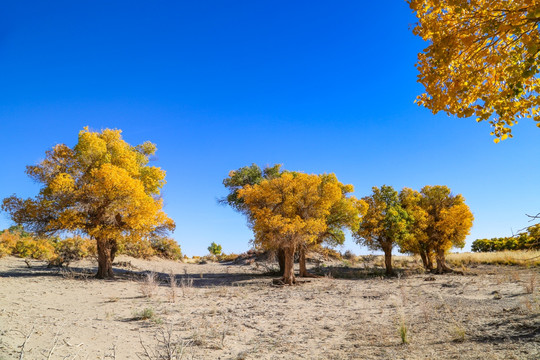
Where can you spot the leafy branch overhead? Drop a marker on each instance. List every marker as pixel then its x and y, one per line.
pixel 482 60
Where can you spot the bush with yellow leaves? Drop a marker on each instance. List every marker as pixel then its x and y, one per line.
pixel 32 248
pixel 166 248
pixel 72 249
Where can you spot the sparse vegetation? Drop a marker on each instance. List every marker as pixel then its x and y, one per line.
pixel 149 284
pixel 403 332
pixel 145 314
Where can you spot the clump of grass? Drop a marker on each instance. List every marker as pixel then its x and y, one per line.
pixel 146 314
pixel 459 334
pixel 403 331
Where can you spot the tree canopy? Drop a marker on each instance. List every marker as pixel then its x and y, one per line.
pixel 482 60
pixel 291 211
pixel 102 187
pixel 385 224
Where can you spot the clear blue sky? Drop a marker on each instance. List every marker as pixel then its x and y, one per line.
pixel 317 86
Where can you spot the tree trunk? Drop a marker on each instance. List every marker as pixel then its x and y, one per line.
pixel 429 261
pixel 288 274
pixel 281 261
pixel 426 260
pixel 105 256
pixel 114 249
pixel 441 263
pixel 302 262
pixel 388 261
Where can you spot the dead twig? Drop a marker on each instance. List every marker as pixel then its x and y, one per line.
pixel 21 354
pixel 54 344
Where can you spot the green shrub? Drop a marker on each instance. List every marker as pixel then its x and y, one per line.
pixel 529 240
pixel 214 249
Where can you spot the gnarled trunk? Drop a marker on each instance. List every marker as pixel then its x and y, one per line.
pixel 281 261
pixel 106 250
pixel 426 260
pixel 288 273
pixel 441 263
pixel 388 261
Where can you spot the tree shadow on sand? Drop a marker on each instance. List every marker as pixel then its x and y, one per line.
pixel 518 327
pixel 193 278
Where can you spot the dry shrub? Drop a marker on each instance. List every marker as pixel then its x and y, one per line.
pixel 166 346
pixel 149 285
pixel 349 255
pixel 173 285
pixel 228 257
pixel 530 286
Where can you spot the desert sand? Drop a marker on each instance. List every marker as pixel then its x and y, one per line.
pixel 227 311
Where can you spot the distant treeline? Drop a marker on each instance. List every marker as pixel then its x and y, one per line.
pixel 527 240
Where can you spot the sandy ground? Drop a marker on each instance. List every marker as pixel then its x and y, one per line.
pixel 224 311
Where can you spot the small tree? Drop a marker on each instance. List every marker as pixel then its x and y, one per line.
pixel 214 249
pixel 289 212
pixel 385 224
pixel 249 175
pixel 102 187
pixel 449 221
pixel 344 214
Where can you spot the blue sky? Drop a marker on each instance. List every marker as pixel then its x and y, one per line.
pixel 217 85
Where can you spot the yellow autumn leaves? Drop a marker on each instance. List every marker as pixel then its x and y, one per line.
pixel 482 59
pixel 102 187
pixel 292 209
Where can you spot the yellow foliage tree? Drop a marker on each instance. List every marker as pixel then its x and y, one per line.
pixel 385 224
pixel 290 212
pixel 345 213
pixel 448 222
pixel 417 242
pixel 482 60
pixel 102 187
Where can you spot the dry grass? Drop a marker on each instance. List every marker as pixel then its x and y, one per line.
pixel 173 286
pixel 518 257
